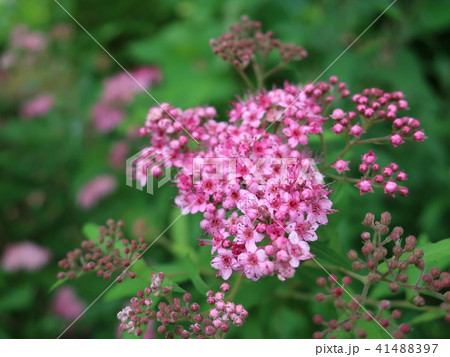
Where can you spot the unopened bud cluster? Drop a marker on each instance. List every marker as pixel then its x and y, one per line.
pixel 352 311
pixel 180 316
pixel 389 176
pixel 395 264
pixel 112 252
pixel 245 39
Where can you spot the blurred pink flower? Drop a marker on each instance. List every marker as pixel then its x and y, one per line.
pixel 66 303
pixel 118 154
pixel 96 189
pixel 106 117
pixel 37 106
pixel 118 91
pixel 23 38
pixel 24 256
pixel 150 332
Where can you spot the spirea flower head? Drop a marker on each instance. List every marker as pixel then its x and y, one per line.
pixel 180 316
pixel 267 200
pixel 24 256
pixel 37 107
pixel 96 189
pixel 66 303
pixel 245 40
pixel 118 91
pixel 111 253
pixel 388 177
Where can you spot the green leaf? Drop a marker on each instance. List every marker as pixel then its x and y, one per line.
pixel 125 290
pixel 372 329
pixel 324 254
pixel 195 277
pixel 428 316
pixel 57 283
pixel 436 253
pixel 90 230
pixel 17 298
pixel 181 235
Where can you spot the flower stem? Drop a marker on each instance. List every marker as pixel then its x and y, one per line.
pixel 237 284
pixel 246 79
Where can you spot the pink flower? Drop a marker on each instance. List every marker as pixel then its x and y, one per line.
pixel 224 261
pixel 37 107
pixel 369 158
pixel 251 260
pixel 23 38
pixel 118 154
pixel 356 130
pixel 364 186
pixel 337 128
pixel 390 188
pixel 341 166
pixel 106 118
pixel 150 331
pixel 419 136
pixel 396 140
pixel 96 189
pixel 24 256
pixel 337 114
pixel 296 134
pixel 253 208
pixel 118 91
pixel 66 303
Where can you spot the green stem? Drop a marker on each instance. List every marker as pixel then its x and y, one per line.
pixel 373 140
pixel 274 69
pixel 324 147
pixel 246 79
pixel 237 284
pixel 312 264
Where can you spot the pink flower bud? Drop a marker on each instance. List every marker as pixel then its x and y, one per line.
pixel 396 140
pixel 337 114
pixel 419 136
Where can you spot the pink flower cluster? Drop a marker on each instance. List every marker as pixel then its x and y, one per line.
pixel 118 91
pixel 96 189
pixel 245 38
pixel 174 312
pixel 38 106
pixel 375 106
pixel 261 197
pixel 23 38
pixel 388 176
pixel 66 303
pixel 24 256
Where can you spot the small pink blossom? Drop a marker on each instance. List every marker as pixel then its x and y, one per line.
pixel 356 130
pixel 390 188
pixel 419 136
pixel 37 107
pixel 96 189
pixel 23 38
pixel 341 166
pixel 66 303
pixel 224 262
pixel 364 186
pixel 396 140
pixel 24 256
pixel 118 154
pixel 337 128
pixel 369 158
pixel 337 114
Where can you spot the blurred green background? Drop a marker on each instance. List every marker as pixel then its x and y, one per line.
pixel 44 162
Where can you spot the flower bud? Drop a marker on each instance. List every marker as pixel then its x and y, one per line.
pixel 368 219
